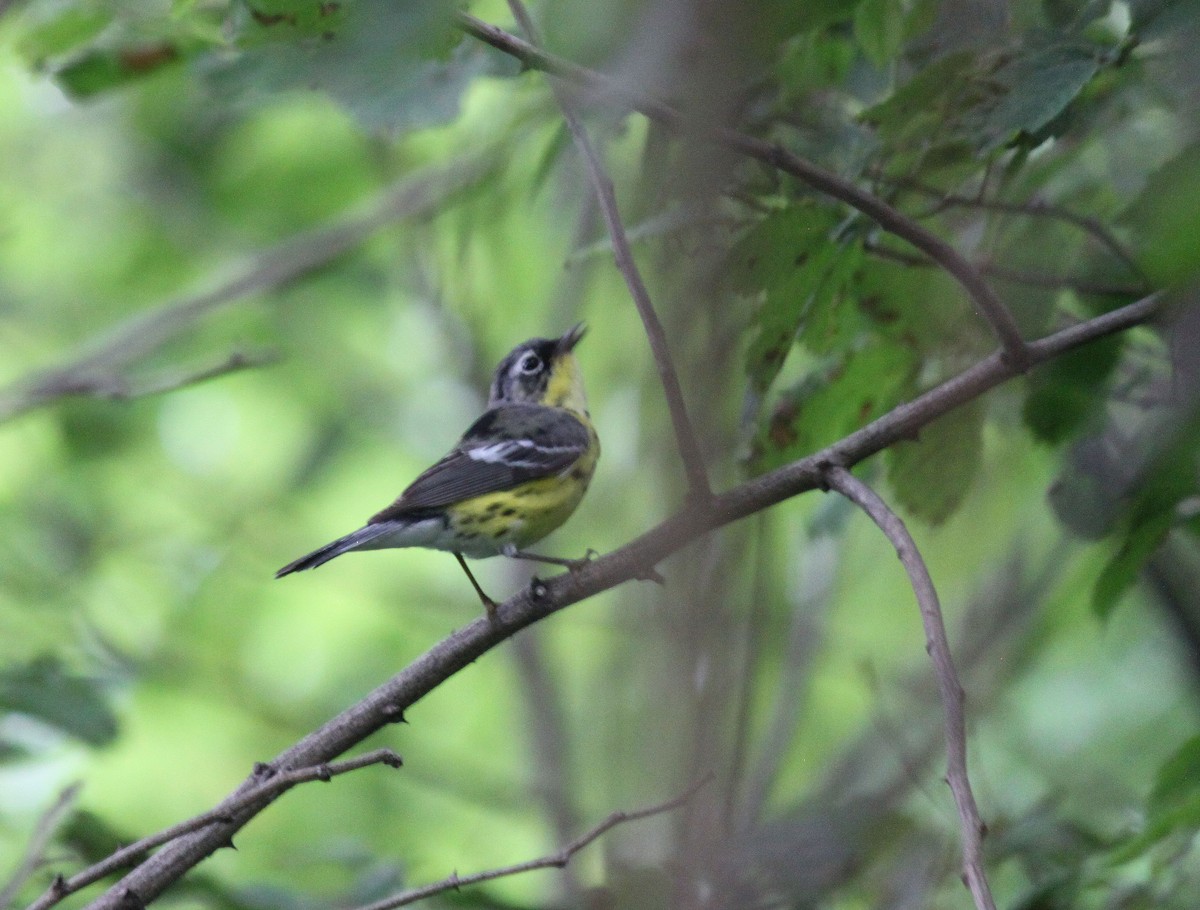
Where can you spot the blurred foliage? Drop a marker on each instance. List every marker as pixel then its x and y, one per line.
pixel 395 204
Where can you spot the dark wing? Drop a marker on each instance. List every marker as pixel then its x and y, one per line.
pixel 507 446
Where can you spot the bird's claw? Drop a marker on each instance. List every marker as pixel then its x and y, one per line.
pixel 575 565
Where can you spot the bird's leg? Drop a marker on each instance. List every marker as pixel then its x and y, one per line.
pixel 571 564
pixel 488 603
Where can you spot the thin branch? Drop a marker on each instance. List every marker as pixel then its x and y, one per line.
pixel 938 646
pixel 271 269
pixel 636 559
pixel 1036 208
pixel 887 217
pixel 1016 276
pixel 685 434
pixel 117 387
pixel 39 840
pixel 273 783
pixel 552 861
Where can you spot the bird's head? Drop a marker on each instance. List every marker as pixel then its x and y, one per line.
pixel 541 371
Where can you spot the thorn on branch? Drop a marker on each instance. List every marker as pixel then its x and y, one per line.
pixel 652 574
pixel 393 714
pixel 538 592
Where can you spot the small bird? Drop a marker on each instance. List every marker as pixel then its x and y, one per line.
pixel 517 473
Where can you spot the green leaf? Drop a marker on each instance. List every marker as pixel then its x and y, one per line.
pixel 49 31
pixel 1037 87
pixel 833 402
pixel 879 29
pixel 99 47
pixel 1164 220
pixel 1173 805
pixel 103 70
pixel 832 320
pixel 1178 778
pixel 810 62
pixel 1142 539
pixel 788 18
pixel 1168 479
pixel 786 257
pixel 920 106
pixel 73 704
pixel 931 476
pixel 385 63
pixel 1070 390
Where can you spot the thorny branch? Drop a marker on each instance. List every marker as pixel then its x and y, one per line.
pixel 268 784
pixel 887 217
pixel 553 861
pixel 387 703
pixel 685 433
pixel 938 646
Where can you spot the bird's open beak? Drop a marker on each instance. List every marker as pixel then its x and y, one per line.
pixel 569 340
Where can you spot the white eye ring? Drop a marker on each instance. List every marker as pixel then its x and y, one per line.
pixel 530 363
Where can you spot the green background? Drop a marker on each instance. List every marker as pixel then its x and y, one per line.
pixel 151 152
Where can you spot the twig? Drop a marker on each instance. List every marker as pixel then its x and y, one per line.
pixel 1035 209
pixel 887 217
pixel 685 434
pixel 173 380
pixel 552 861
pixel 273 268
pixel 1016 276
pixel 388 702
pixel 269 788
pixel 39 840
pixel 116 387
pixel 938 646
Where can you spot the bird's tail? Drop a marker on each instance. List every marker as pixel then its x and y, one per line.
pixel 352 541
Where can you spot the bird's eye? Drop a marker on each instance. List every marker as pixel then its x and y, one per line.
pixel 530 363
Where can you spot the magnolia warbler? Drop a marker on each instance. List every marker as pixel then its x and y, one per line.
pixel 517 473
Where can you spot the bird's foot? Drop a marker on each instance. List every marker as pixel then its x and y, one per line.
pixel 489 605
pixel 573 565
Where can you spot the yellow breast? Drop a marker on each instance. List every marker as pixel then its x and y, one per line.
pixel 525 514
